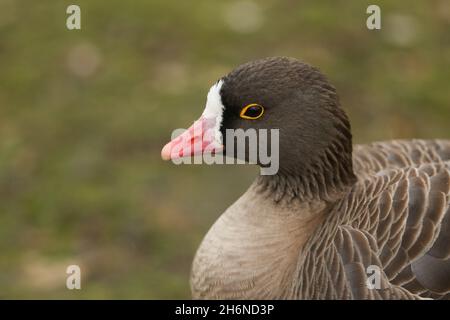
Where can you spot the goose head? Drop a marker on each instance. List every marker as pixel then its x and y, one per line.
pixel 315 141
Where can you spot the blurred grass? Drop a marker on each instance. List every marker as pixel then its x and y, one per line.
pixel 84 114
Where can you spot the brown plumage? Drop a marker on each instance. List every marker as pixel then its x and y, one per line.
pixel 332 218
pixel 396 217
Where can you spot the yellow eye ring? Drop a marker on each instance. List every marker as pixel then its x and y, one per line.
pixel 252 111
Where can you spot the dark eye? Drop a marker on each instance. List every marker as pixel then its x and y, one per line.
pixel 252 111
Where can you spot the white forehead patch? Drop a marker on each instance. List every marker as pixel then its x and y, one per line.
pixel 214 108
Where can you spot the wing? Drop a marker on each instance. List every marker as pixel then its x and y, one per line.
pixel 372 158
pixel 393 232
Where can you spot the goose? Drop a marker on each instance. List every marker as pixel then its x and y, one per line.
pixel 336 221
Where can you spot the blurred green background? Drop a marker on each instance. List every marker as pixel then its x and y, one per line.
pixel 84 114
